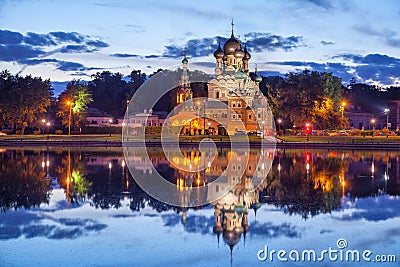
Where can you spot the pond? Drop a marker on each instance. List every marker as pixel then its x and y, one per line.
pixel 82 207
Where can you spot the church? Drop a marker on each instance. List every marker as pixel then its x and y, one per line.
pixel 234 105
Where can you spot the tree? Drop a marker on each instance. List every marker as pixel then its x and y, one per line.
pixel 305 97
pixel 78 95
pixel 23 99
pixel 109 92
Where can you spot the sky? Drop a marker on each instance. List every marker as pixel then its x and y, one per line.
pixel 67 39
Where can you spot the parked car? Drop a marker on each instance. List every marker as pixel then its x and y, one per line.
pixel 253 133
pixel 240 132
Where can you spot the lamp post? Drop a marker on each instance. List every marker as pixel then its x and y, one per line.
pixel 48 130
pixel 373 124
pixel 110 121
pixel 387 117
pixel 69 103
pixel 343 104
pixel 279 124
pixel 43 122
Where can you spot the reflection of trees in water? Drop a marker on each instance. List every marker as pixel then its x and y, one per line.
pixel 303 192
pixel 23 182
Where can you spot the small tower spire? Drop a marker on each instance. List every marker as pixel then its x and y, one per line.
pixel 232 26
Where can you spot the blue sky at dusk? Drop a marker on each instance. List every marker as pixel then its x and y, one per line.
pixel 65 39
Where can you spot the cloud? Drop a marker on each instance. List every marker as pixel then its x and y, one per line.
pixel 321 3
pixel 18 52
pixel 259 42
pixel 256 41
pixel 124 55
pixel 97 43
pixel 33 48
pixel 36 39
pixel 9 37
pixel 388 36
pixel 377 68
pixel 68 37
pixel 326 43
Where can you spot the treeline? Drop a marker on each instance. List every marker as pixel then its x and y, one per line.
pixel 318 98
pixel 26 101
pixel 296 98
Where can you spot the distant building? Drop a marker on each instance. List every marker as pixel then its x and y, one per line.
pixel 97 117
pixel 394 115
pixel 147 118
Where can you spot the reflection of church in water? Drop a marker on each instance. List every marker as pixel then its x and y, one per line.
pixel 233 172
pixel 234 99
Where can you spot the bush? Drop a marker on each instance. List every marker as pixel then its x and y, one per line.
pixel 356 132
pixel 101 130
pixel 59 132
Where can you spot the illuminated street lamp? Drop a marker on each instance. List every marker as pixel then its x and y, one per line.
pixel 209 124
pixel 387 117
pixel 69 103
pixel 373 124
pixel 48 129
pixel 43 122
pixel 110 121
pixel 279 124
pixel 342 105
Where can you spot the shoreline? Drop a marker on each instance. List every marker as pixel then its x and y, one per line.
pixel 156 143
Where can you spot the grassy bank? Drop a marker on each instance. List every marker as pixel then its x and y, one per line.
pixel 343 139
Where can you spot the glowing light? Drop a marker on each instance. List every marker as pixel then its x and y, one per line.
pixel 308 166
pixel 386 176
pixel 279 167
pixel 123 163
pixel 209 164
pixel 372 168
pixel 48 163
pixel 110 165
pixel 43 164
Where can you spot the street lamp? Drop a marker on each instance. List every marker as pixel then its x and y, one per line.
pixel 209 124
pixel 279 124
pixel 387 117
pixel 43 122
pixel 48 130
pixel 69 103
pixel 343 104
pixel 110 121
pixel 373 124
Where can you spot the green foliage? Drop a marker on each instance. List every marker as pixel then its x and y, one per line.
pixel 78 94
pixel 309 96
pixel 23 99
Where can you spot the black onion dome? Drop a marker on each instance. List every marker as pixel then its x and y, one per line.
pixel 247 55
pixel 239 53
pixel 219 53
pixel 231 45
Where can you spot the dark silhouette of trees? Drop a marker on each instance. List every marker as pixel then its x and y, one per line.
pixel 309 96
pixel 23 99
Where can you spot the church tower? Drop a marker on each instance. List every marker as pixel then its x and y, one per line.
pixel 184 91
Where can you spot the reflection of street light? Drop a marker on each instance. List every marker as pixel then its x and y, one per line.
pixel 69 103
pixel 262 129
pixel 373 124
